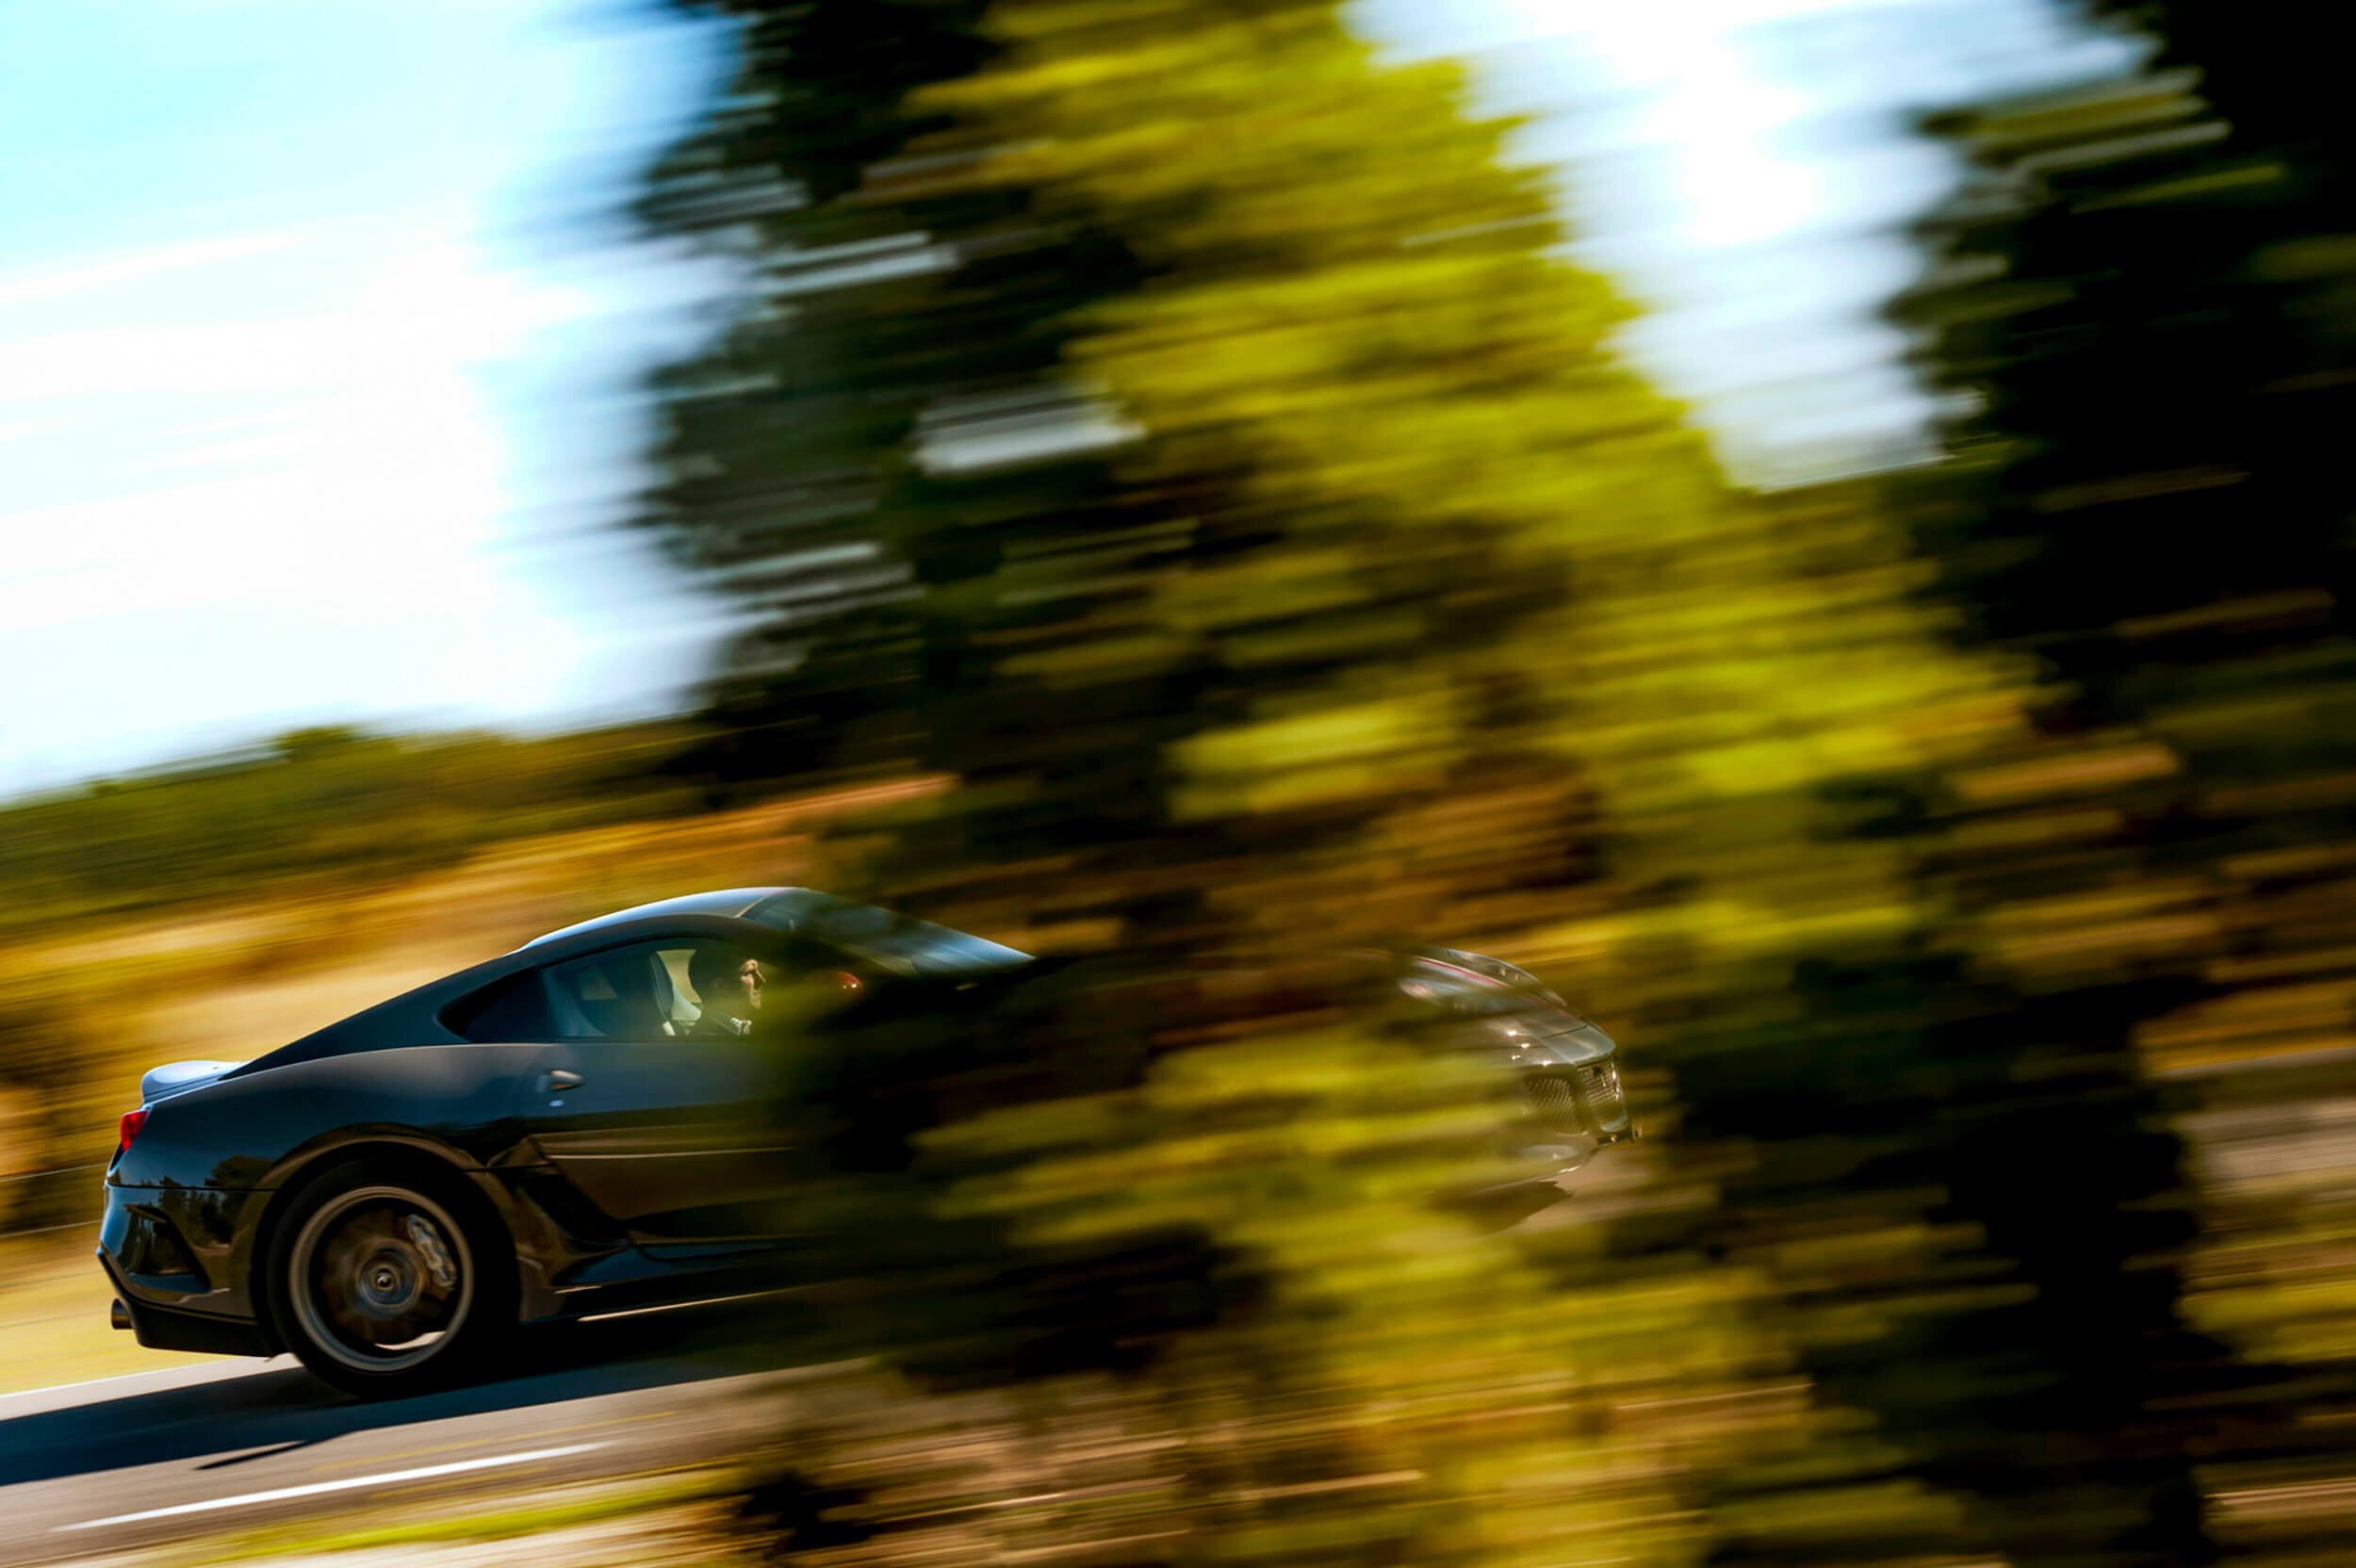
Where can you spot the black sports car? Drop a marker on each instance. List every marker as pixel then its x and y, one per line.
pixel 581 1126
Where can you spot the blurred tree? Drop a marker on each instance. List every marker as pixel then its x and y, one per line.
pixel 866 431
pixel 318 741
pixel 1396 604
pixel 1007 560
pixel 2142 295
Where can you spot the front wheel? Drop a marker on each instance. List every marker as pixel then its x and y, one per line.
pixel 383 1284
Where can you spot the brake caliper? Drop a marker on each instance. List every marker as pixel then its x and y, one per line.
pixel 433 1248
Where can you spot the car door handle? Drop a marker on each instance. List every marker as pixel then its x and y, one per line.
pixel 560 1079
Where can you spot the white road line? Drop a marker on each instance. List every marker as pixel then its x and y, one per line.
pixel 683 1306
pixel 277 1494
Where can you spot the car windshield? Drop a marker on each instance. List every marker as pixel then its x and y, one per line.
pixel 899 942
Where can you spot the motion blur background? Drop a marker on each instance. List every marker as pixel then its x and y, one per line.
pixel 1817 525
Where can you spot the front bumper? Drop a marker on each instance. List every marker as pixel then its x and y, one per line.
pixel 1573 1106
pixel 1549 1156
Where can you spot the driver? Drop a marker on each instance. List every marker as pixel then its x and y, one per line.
pixel 727 989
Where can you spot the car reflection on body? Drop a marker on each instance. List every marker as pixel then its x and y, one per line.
pixel 564 1130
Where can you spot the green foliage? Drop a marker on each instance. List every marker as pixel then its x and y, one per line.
pixel 317 807
pixel 2144 294
pixel 1351 587
pixel 1398 606
pixel 885 316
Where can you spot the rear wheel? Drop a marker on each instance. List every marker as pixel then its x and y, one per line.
pixel 386 1282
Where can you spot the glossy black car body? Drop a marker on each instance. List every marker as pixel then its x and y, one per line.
pixel 602 1162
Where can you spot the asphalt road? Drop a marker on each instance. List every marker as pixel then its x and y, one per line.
pixel 96 1469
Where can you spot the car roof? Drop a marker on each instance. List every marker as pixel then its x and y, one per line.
pixel 414 1017
pixel 723 901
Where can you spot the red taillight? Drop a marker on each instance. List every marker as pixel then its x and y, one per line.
pixel 132 1122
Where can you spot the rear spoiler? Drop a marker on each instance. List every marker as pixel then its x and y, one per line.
pixel 162 1083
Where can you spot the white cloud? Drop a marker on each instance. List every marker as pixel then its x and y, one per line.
pixel 340 538
pixel 430 308
pixel 39 284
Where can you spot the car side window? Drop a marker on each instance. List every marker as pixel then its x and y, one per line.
pixel 644 991
pixel 674 988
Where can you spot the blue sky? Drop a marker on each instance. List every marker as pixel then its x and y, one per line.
pixel 317 333
pixel 314 347
pixel 1746 170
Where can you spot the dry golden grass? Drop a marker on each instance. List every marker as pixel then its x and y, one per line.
pixel 53 1315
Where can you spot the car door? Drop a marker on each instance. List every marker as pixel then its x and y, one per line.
pixel 671 1132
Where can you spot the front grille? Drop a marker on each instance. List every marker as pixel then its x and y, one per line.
pixel 1583 1099
pixel 1551 1097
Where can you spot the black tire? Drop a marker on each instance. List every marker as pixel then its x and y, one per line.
pixel 387 1280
